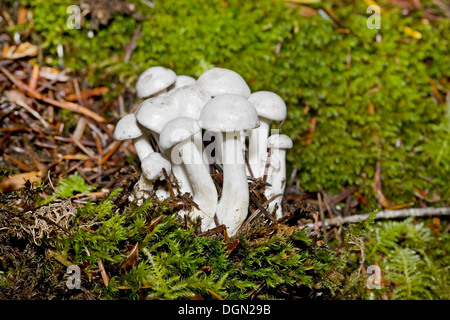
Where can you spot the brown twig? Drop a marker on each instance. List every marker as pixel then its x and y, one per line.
pixel 326 201
pixel 267 165
pixel 322 214
pixel 261 207
pixel 168 183
pixel 61 104
pixel 34 77
pixel 116 145
pixel 257 211
pixel 86 93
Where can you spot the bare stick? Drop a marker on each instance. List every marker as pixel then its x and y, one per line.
pixel 322 214
pixel 386 214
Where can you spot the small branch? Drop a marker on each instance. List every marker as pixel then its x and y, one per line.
pixel 169 184
pixel 387 214
pixel 322 214
pixel 326 201
pixel 108 154
pixel 257 211
pixel 262 209
pixel 61 104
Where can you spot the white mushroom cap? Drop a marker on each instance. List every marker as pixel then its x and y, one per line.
pixel 153 80
pixel 155 112
pixel 228 113
pixel 127 128
pixel 269 105
pixel 223 81
pixel 279 141
pixel 190 100
pixel 152 166
pixel 176 131
pixel 183 80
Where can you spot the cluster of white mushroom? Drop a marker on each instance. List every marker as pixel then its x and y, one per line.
pixel 182 114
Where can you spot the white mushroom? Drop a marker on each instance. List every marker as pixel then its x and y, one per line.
pixel 190 100
pixel 229 114
pixel 153 114
pixel 153 165
pixel 154 80
pixel 128 128
pixel 183 80
pixel 177 135
pixel 218 81
pixel 278 144
pixel 152 169
pixel 269 106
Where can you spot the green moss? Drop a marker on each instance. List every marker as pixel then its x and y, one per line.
pixel 175 262
pixel 67 187
pixel 320 71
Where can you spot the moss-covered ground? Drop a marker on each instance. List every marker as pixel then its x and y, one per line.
pixel 368 110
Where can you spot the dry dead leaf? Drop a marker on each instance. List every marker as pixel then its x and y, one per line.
pixel 17 181
pixel 24 49
pixel 132 258
pixel 15 96
pixel 51 74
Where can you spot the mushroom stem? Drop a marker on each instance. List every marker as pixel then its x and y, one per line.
pixel 152 169
pixel 232 208
pixel 142 146
pixel 178 170
pixel 181 175
pixel 203 188
pixel 258 147
pixel 278 181
pixel 198 142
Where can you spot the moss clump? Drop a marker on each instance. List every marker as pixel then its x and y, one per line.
pixel 170 260
pixel 374 95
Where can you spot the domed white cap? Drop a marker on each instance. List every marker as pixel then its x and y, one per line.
pixel 227 113
pixel 176 131
pixel 152 166
pixel 155 112
pixel 269 105
pixel 223 81
pixel 153 80
pixel 127 128
pixel 190 100
pixel 279 141
pixel 183 80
